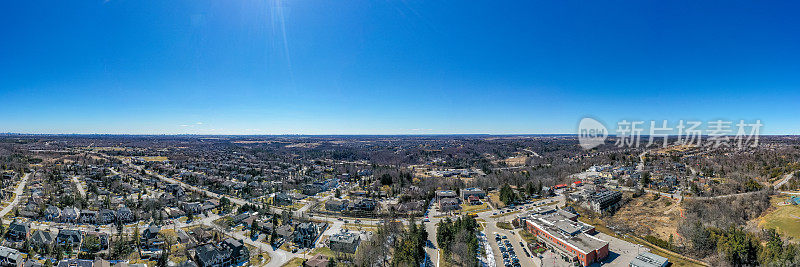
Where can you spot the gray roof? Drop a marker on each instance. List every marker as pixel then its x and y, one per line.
pixel 647 259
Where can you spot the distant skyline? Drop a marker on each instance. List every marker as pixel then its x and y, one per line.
pixel 393 67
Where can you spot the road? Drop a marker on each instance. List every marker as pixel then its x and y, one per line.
pixel 17 195
pixel 79 185
pixel 785 180
pixel 433 248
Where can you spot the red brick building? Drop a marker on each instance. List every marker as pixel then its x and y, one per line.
pixel 568 237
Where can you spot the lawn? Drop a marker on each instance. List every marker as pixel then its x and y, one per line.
pixel 504 214
pixel 258 259
pixel 294 262
pixel 155 158
pixel 505 225
pixel 785 219
pixel 494 197
pixel 675 258
pixel 466 208
pixel 528 237
pixel 327 252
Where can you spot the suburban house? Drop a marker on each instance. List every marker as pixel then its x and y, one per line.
pixel 150 239
pixel 336 204
pixel 305 234
pixel 42 239
pixel 18 231
pixel 282 199
pixel 318 260
pixel 69 238
pixel 344 241
pixel 70 214
pixel 10 257
pixel 52 213
pixel 88 216
pixel 229 253
pixel 124 215
pixel 239 252
pixel 106 216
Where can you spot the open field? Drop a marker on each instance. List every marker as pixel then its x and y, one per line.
pixel 154 158
pixel 785 218
pixel 675 258
pixel 466 208
pixel 294 262
pixel 648 215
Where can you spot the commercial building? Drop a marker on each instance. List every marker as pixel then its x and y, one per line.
pixel 448 204
pixel 647 259
pixel 441 194
pixel 467 192
pixel 568 237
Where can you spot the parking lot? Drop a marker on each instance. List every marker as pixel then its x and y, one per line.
pixel 507 249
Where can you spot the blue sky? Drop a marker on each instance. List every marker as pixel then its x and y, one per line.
pixel 393 67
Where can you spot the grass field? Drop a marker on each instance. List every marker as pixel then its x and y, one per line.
pixel 466 208
pixel 258 259
pixel 528 237
pixel 294 262
pixel 494 197
pixel 785 218
pixel 675 258
pixel 505 225
pixel 155 158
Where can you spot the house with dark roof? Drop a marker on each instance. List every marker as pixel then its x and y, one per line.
pixel 344 241
pixel 32 263
pixel 75 263
pixel 150 239
pixel 42 238
pixel 281 199
pixel 336 204
pixel 192 207
pixel 124 215
pixel 209 256
pixel 88 216
pixel 52 213
pixel 70 214
pixel 305 234
pixel 106 216
pixel 285 232
pixel 239 253
pixel 69 238
pixel 18 231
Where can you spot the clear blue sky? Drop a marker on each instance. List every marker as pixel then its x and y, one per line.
pixel 393 67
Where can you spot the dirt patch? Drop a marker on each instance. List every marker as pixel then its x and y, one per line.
pixel 657 216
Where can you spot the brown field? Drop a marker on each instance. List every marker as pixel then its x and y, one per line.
pixel 516 161
pixel 648 216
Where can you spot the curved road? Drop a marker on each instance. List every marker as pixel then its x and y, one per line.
pixel 17 195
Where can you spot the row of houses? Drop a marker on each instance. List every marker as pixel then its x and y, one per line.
pixel 21 231
pixel 73 215
pixel 359 204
